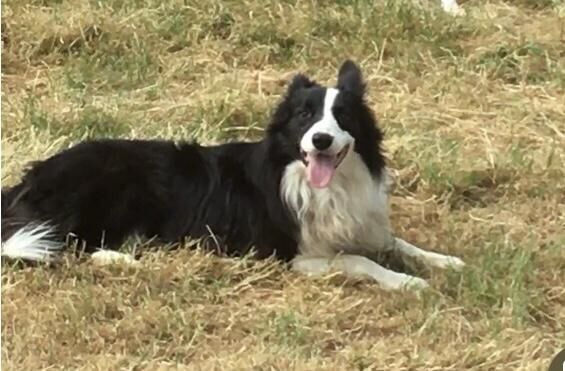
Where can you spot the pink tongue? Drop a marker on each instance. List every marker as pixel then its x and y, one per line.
pixel 320 170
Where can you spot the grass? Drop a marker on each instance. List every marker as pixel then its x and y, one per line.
pixel 474 116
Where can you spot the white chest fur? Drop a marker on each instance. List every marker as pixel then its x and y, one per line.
pixel 349 216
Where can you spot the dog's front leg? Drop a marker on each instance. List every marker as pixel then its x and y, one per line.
pixel 427 257
pixel 357 266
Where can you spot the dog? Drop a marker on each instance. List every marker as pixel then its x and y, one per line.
pixel 312 192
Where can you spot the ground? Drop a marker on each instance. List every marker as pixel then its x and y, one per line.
pixel 474 113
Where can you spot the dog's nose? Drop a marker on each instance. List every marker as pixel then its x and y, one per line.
pixel 322 141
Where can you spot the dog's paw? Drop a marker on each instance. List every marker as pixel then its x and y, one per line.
pixel 455 263
pixel 403 281
pixel 415 283
pixel 109 257
pixel 447 262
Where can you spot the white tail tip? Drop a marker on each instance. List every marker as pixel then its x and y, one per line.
pixel 35 242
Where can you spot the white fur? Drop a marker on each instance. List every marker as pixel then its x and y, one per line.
pixel 35 242
pixel 109 257
pixel 358 266
pixel 327 125
pixel 349 216
pixel 451 7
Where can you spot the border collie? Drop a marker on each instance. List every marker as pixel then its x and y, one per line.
pixel 312 192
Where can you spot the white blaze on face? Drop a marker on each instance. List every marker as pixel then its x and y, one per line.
pixel 322 164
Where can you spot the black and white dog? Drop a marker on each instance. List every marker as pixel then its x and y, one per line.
pixel 312 192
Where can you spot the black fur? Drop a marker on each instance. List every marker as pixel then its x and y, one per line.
pixel 106 190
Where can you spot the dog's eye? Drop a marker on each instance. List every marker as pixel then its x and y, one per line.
pixel 304 114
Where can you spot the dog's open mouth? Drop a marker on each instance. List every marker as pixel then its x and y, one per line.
pixel 321 167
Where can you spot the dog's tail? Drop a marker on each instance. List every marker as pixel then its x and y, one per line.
pixel 23 237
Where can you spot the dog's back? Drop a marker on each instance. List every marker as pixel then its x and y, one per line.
pixel 105 191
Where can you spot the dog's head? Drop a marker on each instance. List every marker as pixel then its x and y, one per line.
pixel 321 126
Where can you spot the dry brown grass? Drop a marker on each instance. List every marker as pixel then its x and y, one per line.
pixel 474 111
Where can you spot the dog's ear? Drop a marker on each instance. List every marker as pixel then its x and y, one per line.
pixel 349 78
pixel 283 112
pixel 299 81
